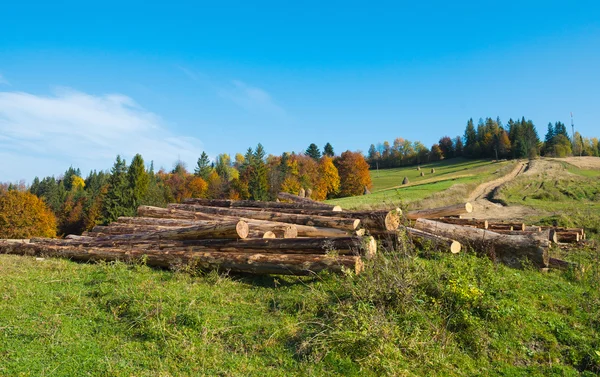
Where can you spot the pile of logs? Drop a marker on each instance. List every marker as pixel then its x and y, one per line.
pixel 299 236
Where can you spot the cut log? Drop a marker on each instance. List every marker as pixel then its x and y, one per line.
pixel 568 237
pixel 224 230
pixel 562 265
pixel 494 227
pixel 581 231
pixel 297 211
pixel 430 240
pixel 533 228
pixel 481 224
pixel 296 198
pixel 433 213
pixel 365 246
pixel 284 264
pixel 322 221
pixel 260 204
pixel 269 234
pixel 547 233
pixel 158 221
pixel 157 212
pixel 510 250
pixel 117 228
pixel 506 226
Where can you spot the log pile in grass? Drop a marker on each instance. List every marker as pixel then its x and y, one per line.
pixel 300 236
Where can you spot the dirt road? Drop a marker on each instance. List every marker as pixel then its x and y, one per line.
pixel 483 208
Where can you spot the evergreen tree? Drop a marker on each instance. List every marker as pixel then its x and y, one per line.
pixel 549 140
pixel 561 129
pixel 470 137
pixel 68 177
pixel 203 167
pixel 116 202
pixel 138 181
pixel 328 150
pixel 313 151
pixel 458 146
pixel 258 184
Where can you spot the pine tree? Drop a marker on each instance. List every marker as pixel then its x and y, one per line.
pixel 328 150
pixel 203 167
pixel 117 198
pixel 549 140
pixel 313 151
pixel 470 137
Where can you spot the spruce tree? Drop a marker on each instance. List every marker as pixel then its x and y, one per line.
pixel 258 184
pixel 549 140
pixel 313 151
pixel 328 150
pixel 203 167
pixel 117 198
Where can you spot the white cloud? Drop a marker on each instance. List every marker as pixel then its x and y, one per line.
pixel 251 98
pixel 3 81
pixel 83 130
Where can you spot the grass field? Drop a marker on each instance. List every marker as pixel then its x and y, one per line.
pixel 429 315
pixel 388 190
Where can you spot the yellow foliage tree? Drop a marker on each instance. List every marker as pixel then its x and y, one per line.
pixel 290 184
pixel 77 183
pixel 24 215
pixel 328 182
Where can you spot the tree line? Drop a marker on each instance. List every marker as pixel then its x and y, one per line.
pixel 490 138
pixel 78 204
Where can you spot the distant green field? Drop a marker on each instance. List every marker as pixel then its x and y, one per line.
pixel 389 191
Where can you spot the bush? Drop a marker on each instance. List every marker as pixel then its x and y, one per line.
pixel 24 215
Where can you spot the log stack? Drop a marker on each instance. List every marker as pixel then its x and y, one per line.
pixel 300 236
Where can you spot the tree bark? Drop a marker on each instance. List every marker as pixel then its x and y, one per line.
pixel 328 222
pixel 506 226
pixel 432 213
pixel 284 264
pixel 224 230
pixel 297 199
pixel 568 237
pixel 425 239
pixel 481 224
pixel 550 234
pixel 510 250
pixel 227 203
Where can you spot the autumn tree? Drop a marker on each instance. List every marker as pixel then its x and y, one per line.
pixel 328 182
pixel 354 173
pixel 24 215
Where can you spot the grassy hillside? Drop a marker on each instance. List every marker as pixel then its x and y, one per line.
pixel 563 193
pixel 389 191
pixel 407 315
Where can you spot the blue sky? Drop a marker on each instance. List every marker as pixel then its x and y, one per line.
pixel 81 82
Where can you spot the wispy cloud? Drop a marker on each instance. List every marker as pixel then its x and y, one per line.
pixel 83 130
pixel 188 72
pixel 3 81
pixel 251 98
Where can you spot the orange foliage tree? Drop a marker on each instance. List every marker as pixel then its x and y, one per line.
pixel 354 173
pixel 24 215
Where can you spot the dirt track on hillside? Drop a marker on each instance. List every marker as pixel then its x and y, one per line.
pixel 483 208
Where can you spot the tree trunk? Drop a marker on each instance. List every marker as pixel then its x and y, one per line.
pixel 506 226
pixel 432 213
pixel 550 234
pixel 365 246
pixel 117 228
pixel 258 204
pixel 284 264
pixel 328 222
pixel 481 224
pixel 533 228
pixel 296 211
pixel 159 221
pixel 510 250
pixel 567 237
pixel 223 230
pixel 297 199
pixel 166 213
pixel 425 239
